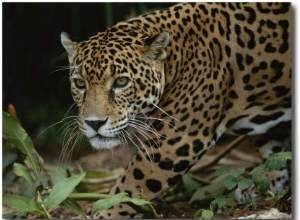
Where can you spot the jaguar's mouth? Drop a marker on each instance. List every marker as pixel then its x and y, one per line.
pixel 101 142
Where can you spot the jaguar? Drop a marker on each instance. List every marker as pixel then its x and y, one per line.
pixel 171 82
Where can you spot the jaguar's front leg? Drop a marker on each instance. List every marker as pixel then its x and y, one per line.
pixel 154 172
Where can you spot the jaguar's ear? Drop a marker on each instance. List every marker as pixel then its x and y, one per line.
pixel 156 46
pixel 69 45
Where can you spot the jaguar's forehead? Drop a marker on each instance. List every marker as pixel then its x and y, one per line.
pixel 112 40
pixel 111 48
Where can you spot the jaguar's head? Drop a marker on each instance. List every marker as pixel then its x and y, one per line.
pixel 115 78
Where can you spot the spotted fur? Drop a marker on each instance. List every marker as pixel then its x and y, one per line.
pixel 171 82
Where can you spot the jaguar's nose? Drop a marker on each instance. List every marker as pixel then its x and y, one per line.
pixel 95 124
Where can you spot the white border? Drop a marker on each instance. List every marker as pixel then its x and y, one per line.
pixel 296 78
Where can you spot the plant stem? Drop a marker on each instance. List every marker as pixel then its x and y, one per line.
pixel 149 206
pixel 40 202
pixel 87 196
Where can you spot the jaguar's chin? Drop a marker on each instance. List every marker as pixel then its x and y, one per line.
pixel 100 142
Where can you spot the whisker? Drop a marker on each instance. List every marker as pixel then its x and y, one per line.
pixel 153 118
pixel 167 122
pixel 128 136
pixel 68 130
pixel 69 138
pixel 143 146
pixel 150 156
pixel 141 125
pixel 63 79
pixel 122 137
pixel 74 140
pixel 144 134
pixel 165 112
pixel 146 127
pixel 141 128
pixel 61 68
pixel 57 123
pixel 61 121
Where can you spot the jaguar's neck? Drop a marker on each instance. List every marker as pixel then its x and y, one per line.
pixel 183 36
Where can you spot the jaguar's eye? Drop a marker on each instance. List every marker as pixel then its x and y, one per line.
pixel 121 82
pixel 79 83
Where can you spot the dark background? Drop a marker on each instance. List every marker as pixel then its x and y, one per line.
pixel 34 78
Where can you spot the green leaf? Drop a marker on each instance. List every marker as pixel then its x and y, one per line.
pixel 213 206
pixel 26 190
pixel 201 194
pixel 236 172
pixel 136 201
pixel 221 171
pixel 62 190
pixel 218 203
pixel 14 133
pixel 190 183
pixel 8 178
pixel 32 160
pixel 282 193
pixel 14 215
pixel 276 161
pixel 230 182
pixel 73 206
pixel 8 158
pixel 261 181
pixel 21 170
pixel 207 214
pixel 58 174
pixel 221 201
pixel 104 204
pixel 11 128
pixel 258 169
pixel 245 184
pixel 198 214
pixel 20 203
pixel 287 155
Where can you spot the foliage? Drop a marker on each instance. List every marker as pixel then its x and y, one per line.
pixel 218 195
pixel 45 197
pixel 106 203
